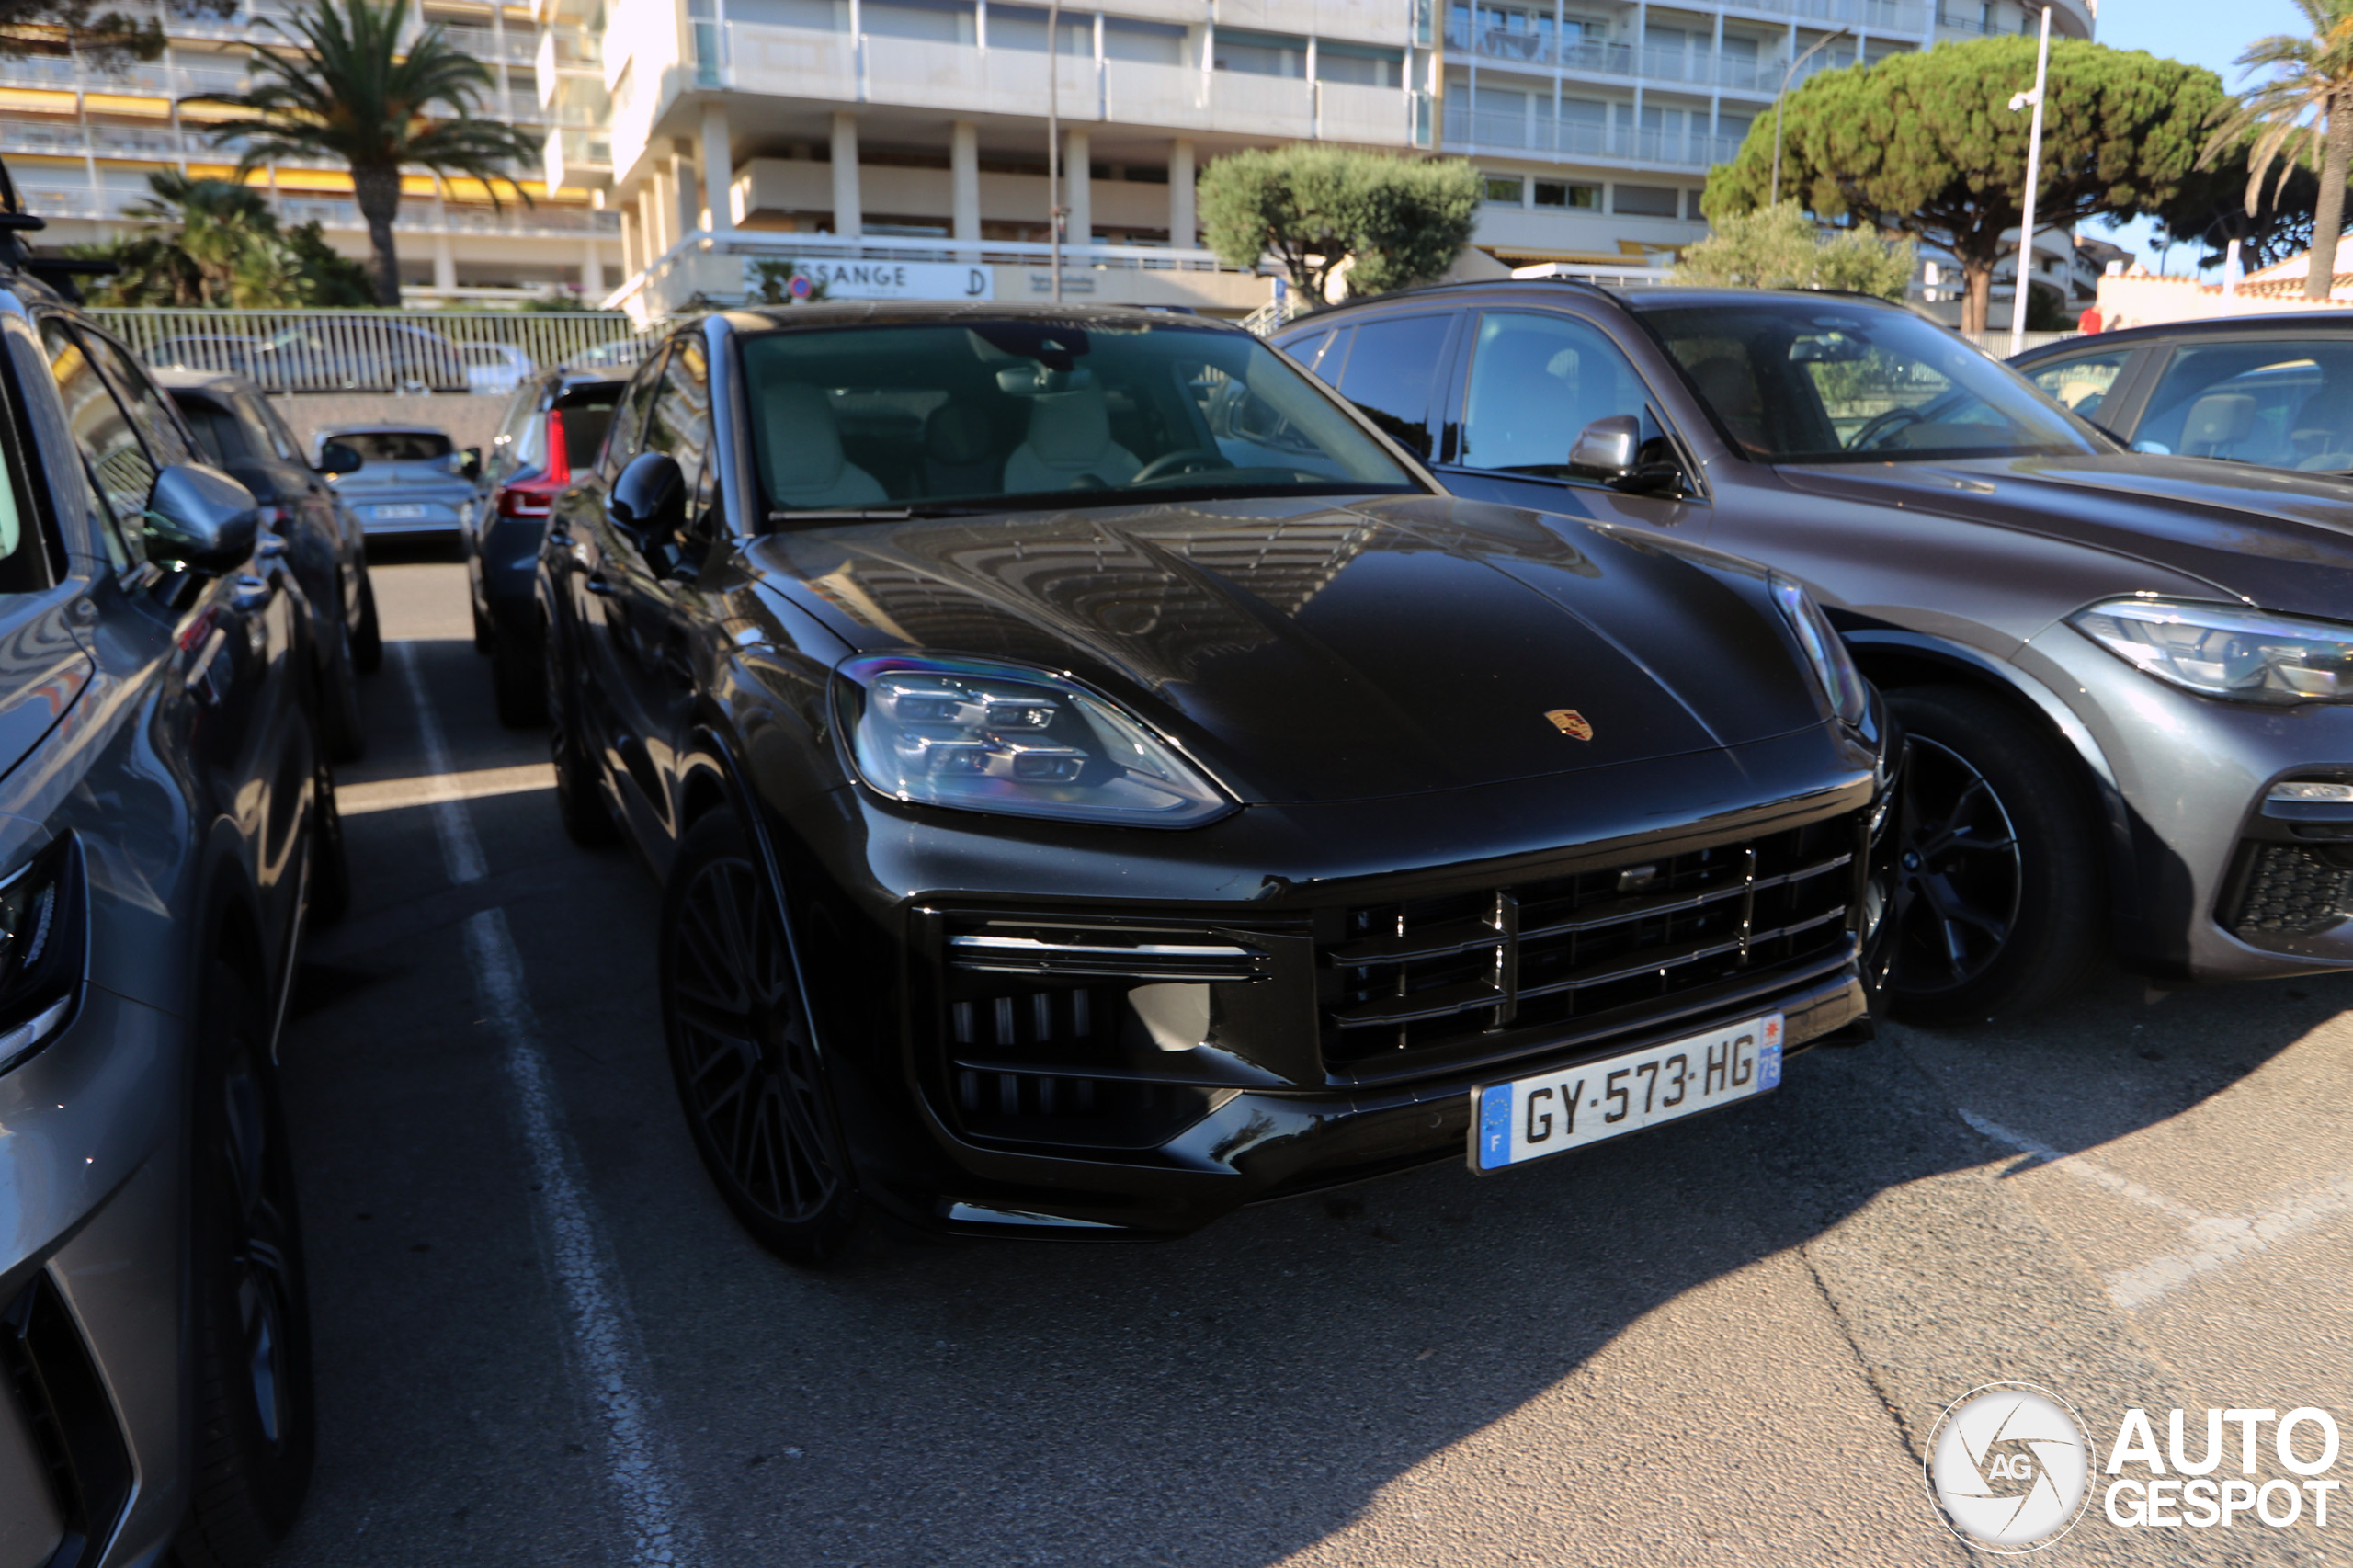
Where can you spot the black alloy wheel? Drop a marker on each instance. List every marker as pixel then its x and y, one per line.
pixel 749 1074
pixel 341 728
pixel 330 864
pixel 255 1432
pixel 518 685
pixel 579 792
pixel 1995 905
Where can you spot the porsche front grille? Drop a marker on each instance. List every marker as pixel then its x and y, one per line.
pixel 1421 974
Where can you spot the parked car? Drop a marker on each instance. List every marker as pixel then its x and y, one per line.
pixel 359 353
pixel 1079 823
pixel 412 479
pixel 554 427
pixel 2117 672
pixel 2273 391
pixel 239 433
pixel 166 826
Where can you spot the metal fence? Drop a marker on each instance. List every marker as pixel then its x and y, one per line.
pixel 488 352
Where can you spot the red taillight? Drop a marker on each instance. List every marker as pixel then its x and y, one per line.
pixel 559 460
pixel 533 498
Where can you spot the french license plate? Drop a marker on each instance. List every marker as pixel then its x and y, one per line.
pixel 1529 1119
pixel 394 511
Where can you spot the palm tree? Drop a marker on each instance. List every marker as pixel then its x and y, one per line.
pixel 2312 77
pixel 221 225
pixel 346 92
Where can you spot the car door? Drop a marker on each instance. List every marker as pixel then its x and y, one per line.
pixel 228 642
pixel 649 583
pixel 598 558
pixel 1531 381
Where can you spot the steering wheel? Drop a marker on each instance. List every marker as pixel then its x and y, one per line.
pixel 1189 460
pixel 1887 424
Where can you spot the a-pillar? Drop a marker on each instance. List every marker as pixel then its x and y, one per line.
pixel 964 177
pixel 1182 225
pixel 718 171
pixel 1078 192
pixel 592 272
pixel 850 219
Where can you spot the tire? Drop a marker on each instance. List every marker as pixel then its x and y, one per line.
pixel 254 1432
pixel 517 682
pixel 749 1076
pixel 341 730
pixel 368 643
pixel 330 867
pixel 1997 894
pixel 579 792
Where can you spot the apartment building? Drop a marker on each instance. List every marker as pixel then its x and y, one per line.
pixel 81 142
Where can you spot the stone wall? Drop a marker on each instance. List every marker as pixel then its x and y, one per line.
pixel 471 420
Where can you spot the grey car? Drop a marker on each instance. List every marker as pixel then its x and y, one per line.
pixel 412 479
pixel 166 828
pixel 2127 679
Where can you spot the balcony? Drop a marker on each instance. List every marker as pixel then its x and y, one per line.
pixel 844 67
pixel 1667 66
pixel 516 46
pixel 1489 130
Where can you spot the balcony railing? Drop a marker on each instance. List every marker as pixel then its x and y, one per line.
pixel 1510 130
pixel 1703 68
pixel 516 46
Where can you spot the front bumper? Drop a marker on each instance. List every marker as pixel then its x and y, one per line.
pixel 2188 831
pixel 1352 969
pixel 93 1232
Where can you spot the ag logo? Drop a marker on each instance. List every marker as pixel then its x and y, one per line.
pixel 2008 1465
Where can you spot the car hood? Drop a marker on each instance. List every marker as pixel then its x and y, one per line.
pixel 43 670
pixel 2282 540
pixel 1312 650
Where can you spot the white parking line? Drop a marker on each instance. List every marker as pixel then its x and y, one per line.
pixel 604 1335
pixel 2216 1241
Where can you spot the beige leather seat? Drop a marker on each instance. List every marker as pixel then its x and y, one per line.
pixel 805 466
pixel 1070 446
pixel 2215 423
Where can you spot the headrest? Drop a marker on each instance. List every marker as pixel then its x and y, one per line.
pixel 958 432
pixel 2218 417
pixel 804 449
pixel 1067 429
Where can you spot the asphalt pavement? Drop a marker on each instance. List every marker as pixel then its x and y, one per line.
pixel 540 1338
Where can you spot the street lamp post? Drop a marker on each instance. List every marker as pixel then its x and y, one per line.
pixel 1054 145
pixel 1819 45
pixel 2033 176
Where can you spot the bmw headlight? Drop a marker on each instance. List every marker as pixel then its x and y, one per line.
pixel 986 736
pixel 2248 655
pixel 40 949
pixel 1842 683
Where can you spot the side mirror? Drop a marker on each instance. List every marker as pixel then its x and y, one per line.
pixel 1605 449
pixel 202 518
pixel 471 468
pixel 337 458
pixel 649 500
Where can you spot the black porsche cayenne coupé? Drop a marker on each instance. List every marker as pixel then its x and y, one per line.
pixel 1100 781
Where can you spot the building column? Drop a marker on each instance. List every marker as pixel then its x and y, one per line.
pixel 663 199
pixel 444 263
pixel 1182 225
pixel 850 219
pixel 1079 191
pixel 964 177
pixel 648 232
pixel 685 184
pixel 718 171
pixel 592 272
pixel 631 263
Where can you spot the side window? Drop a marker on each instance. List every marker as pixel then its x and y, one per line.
pixel 218 439
pixel 1536 381
pixel 1309 350
pixel 620 443
pixel 2083 382
pixel 120 469
pixel 503 458
pixel 1389 373
pixel 2284 405
pixel 267 431
pixel 678 422
pixel 142 399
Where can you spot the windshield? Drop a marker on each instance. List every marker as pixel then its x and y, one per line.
pixel 1793 380
pixel 984 414
pixel 396 446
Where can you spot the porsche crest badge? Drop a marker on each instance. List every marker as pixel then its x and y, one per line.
pixel 1569 721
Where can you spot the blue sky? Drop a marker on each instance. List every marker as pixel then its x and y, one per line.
pixel 2201 33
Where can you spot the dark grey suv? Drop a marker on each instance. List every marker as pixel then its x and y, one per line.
pixel 166 826
pixel 2125 677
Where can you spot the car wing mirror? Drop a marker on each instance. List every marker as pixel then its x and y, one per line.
pixel 648 502
pixel 1606 448
pixel 471 468
pixel 201 518
pixel 336 456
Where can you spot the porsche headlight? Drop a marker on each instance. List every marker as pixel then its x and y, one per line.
pixel 1842 683
pixel 2247 656
pixel 40 949
pixel 986 736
